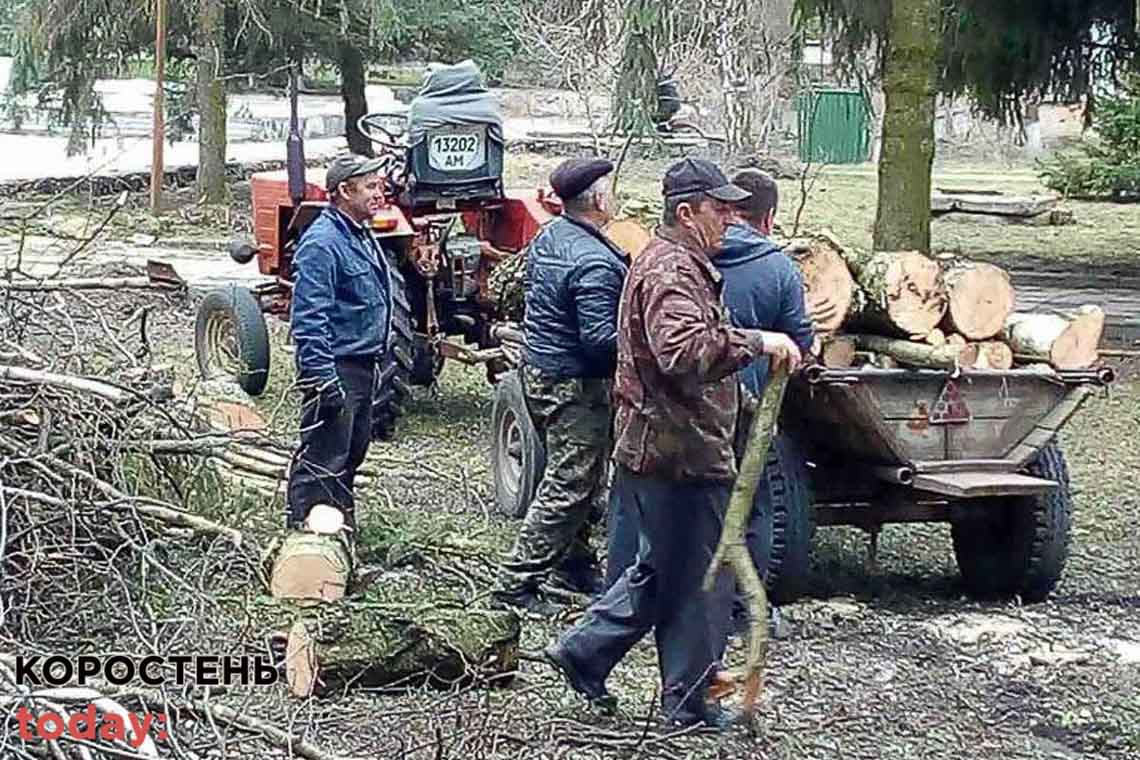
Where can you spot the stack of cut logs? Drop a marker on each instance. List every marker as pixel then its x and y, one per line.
pixel 906 309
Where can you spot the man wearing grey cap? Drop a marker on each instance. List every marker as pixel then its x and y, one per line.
pixel 676 399
pixel 575 277
pixel 341 320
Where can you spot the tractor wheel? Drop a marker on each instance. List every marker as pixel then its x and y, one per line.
pixel 393 378
pixel 782 525
pixel 1022 546
pixel 426 364
pixel 518 456
pixel 230 338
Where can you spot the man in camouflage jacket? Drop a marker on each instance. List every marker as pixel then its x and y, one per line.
pixel 676 399
pixel 574 277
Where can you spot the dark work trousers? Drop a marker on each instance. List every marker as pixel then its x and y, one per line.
pixel 324 466
pixel 679 524
pixel 622 539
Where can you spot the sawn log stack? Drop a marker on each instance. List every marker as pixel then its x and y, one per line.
pixel 905 308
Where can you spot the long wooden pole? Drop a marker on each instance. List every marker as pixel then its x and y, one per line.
pixel 159 130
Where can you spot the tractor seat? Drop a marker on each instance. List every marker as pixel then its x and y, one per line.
pixel 455 130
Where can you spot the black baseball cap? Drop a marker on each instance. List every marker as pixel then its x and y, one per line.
pixel 349 165
pixel 574 175
pixel 696 175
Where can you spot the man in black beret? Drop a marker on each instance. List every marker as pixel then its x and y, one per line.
pixel 575 277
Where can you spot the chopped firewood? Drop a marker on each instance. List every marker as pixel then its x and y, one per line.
pixel 838 351
pixel 826 277
pixel 911 353
pixel 1066 342
pixel 629 235
pixel 980 297
pixel 905 293
pixel 311 567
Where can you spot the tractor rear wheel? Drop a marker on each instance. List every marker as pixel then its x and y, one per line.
pixel 230 338
pixel 518 456
pixel 1022 545
pixel 393 377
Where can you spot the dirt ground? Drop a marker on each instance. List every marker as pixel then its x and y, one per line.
pixel 889 664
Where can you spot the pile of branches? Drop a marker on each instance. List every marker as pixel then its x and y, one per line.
pixel 100 551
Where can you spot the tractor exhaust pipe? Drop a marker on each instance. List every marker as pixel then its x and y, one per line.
pixel 294 144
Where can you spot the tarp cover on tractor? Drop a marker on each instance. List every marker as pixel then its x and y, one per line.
pixel 454 94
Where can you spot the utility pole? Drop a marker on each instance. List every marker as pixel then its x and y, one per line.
pixel 158 131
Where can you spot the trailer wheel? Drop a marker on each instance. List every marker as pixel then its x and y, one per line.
pixel 518 455
pixel 230 338
pixel 1023 547
pixel 782 526
pixel 393 379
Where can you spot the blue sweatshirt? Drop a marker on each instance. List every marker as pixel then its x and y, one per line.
pixel 763 290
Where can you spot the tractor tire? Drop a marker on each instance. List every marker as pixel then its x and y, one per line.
pixel 426 364
pixel 230 338
pixel 518 454
pixel 783 523
pixel 393 376
pixel 1021 549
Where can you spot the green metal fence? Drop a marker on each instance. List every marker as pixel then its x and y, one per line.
pixel 834 126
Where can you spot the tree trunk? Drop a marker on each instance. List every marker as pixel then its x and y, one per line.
pixel 1065 342
pixel 904 292
pixel 910 77
pixel 352 83
pixel 358 645
pixel 980 295
pixel 737 71
pixel 211 36
pixel 311 568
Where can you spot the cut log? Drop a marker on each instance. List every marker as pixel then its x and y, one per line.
pixel 988 203
pixel 936 337
pixel 629 235
pixel 980 298
pixel 991 354
pixel 955 340
pixel 311 568
pixel 356 645
pixel 827 278
pixel 905 293
pixel 911 353
pixel 838 352
pixel 1065 342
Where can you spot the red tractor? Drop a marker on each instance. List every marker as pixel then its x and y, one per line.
pixel 445 223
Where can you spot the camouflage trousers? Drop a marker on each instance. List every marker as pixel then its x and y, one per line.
pixel 573 418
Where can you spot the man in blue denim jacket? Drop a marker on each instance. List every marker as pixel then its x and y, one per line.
pixel 341 321
pixel 575 277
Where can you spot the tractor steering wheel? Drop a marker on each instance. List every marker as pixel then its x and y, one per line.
pixel 381 122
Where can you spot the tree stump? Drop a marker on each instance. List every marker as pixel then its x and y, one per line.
pixel 1066 342
pixel 980 298
pixel 334 647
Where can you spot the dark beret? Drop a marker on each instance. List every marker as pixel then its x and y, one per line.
pixel 574 175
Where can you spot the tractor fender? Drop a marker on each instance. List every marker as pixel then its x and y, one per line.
pixel 389 222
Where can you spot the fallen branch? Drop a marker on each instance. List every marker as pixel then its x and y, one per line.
pixel 732 551
pixel 70 382
pixel 88 283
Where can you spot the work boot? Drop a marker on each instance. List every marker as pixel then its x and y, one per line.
pixel 526 601
pixel 593 690
pixel 714 718
pixel 586 581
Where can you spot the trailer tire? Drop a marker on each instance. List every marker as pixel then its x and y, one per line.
pixel 1023 549
pixel 230 338
pixel 518 454
pixel 393 375
pixel 782 524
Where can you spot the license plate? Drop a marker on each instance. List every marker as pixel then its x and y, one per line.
pixel 456 150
